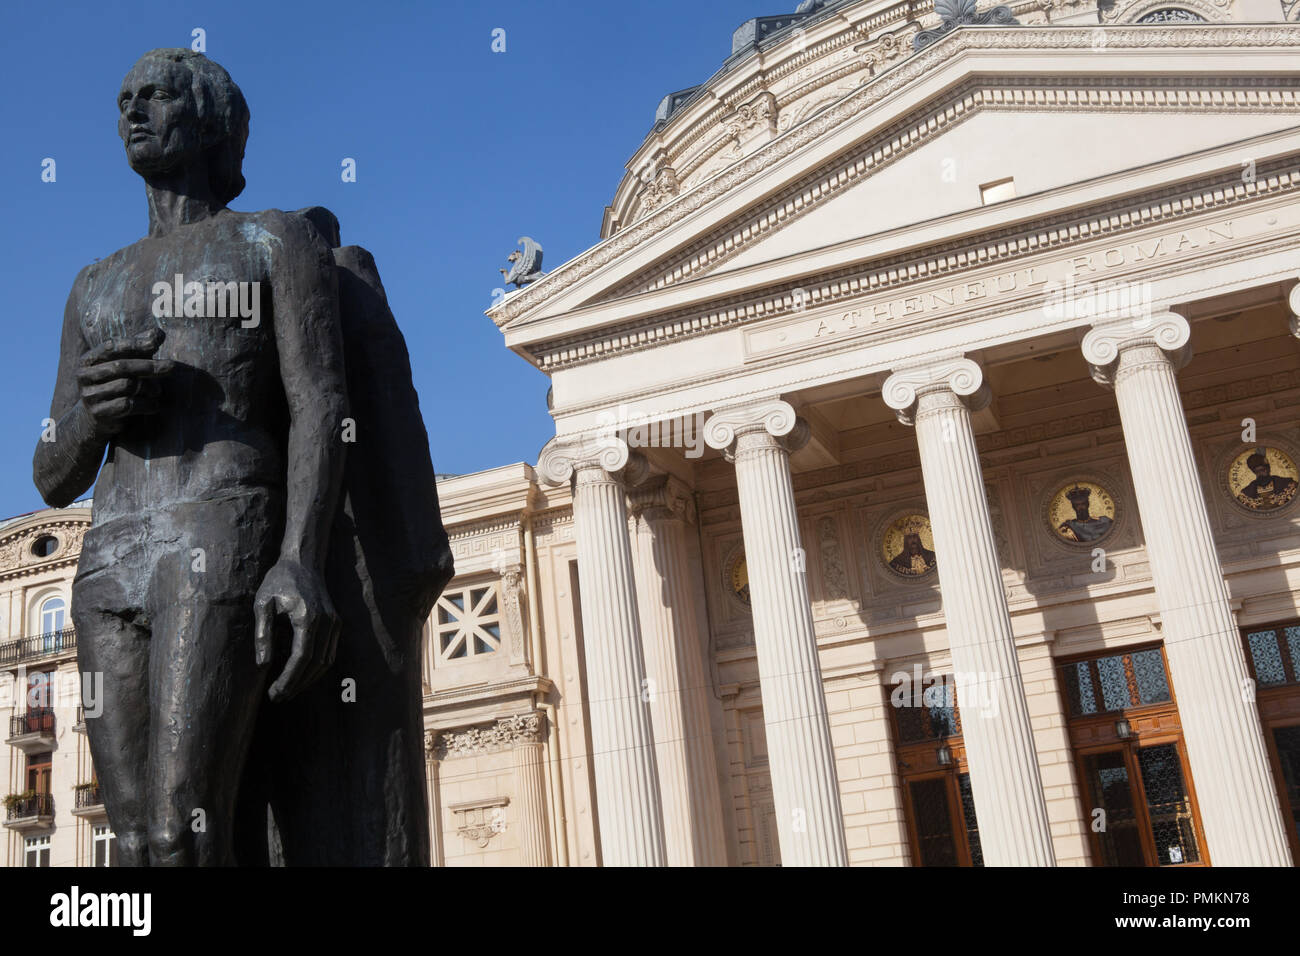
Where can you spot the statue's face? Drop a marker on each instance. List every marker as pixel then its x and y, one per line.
pixel 158 118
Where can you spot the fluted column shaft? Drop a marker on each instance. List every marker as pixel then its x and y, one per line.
pixel 801 758
pixel 627 784
pixel 999 740
pixel 530 793
pixel 1225 744
pixel 688 778
pixel 629 809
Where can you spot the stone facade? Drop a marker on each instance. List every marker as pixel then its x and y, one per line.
pixel 863 325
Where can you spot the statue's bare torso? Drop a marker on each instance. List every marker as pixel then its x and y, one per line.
pixel 222 422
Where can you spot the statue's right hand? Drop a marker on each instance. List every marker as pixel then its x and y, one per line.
pixel 119 379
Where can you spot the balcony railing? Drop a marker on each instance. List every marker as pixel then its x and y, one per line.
pixel 36 721
pixel 41 645
pixel 24 805
pixel 89 796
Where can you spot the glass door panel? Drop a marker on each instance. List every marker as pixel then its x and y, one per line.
pixel 1287 740
pixel 1168 804
pixel 1120 838
pixel 933 819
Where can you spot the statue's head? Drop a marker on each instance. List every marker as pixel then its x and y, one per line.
pixel 177 108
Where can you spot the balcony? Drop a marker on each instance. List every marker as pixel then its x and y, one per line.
pixel 50 644
pixel 33 731
pixel 89 802
pixel 29 811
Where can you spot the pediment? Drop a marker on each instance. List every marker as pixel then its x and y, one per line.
pixel 914 145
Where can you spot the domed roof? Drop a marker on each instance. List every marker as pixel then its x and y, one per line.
pixel 750 36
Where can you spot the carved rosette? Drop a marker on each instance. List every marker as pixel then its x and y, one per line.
pixel 956 374
pixel 1169 332
pixel 506 733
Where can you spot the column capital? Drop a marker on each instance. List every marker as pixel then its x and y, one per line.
pixel 562 458
pixel 661 496
pixel 772 415
pixel 1293 300
pixel 953 373
pixel 1167 331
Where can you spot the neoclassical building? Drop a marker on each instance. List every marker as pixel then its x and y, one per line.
pixel 924 481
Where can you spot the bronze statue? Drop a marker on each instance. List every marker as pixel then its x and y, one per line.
pixel 266 541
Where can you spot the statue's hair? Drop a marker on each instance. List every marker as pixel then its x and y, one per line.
pixel 221 108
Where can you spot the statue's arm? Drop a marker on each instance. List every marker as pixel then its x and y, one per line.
pixel 69 453
pixel 309 338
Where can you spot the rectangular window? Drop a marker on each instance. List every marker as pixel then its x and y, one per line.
pixel 1128 743
pixel 37 851
pixel 105 847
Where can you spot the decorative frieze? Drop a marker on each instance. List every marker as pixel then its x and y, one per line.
pixel 504 734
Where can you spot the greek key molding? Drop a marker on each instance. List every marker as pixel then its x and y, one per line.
pixel 1168 331
pixel 956 374
pixel 505 733
pixel 1275 36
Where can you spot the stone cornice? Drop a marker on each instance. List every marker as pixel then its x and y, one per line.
pixel 1183 37
pixel 1171 206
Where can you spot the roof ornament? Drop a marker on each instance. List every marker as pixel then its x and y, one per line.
pixel 525 266
pixel 960 13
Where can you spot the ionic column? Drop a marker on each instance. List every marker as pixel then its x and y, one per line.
pixel 627 784
pixel 663 516
pixel 1009 804
pixel 530 787
pixel 1293 300
pixel 805 787
pixel 1234 786
pixel 433 766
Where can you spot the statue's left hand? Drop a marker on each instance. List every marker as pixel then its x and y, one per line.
pixel 298 594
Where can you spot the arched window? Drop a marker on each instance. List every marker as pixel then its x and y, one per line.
pixel 53 612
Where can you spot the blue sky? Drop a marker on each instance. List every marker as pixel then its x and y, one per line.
pixel 459 152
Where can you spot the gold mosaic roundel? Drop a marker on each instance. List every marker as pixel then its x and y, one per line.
pixel 1081 512
pixel 907 547
pixel 1263 478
